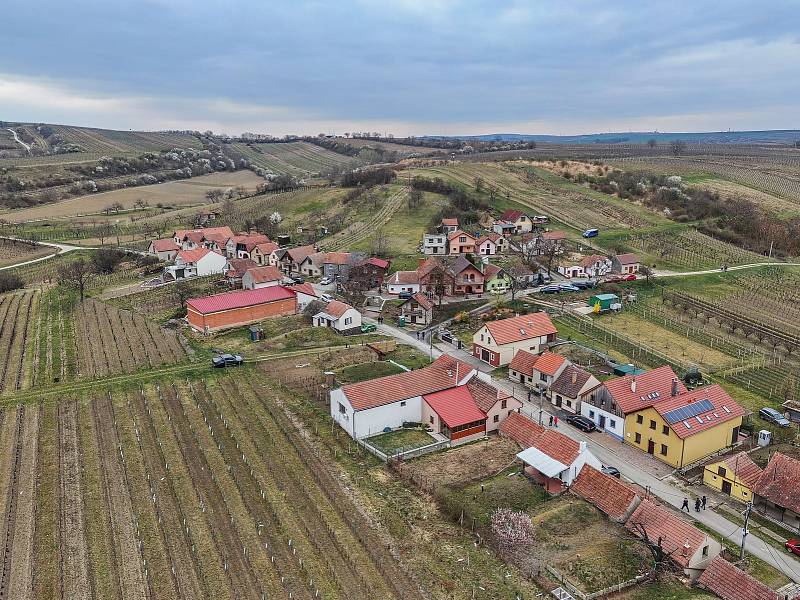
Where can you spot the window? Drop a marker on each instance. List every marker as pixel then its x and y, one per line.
pixel 722 471
pixel 664 449
pixel 342 409
pixel 591 414
pixel 481 337
pixel 530 379
pixel 639 419
pixel 665 430
pixel 348 320
pixel 542 376
pixel 497 418
pixel 462 239
pixel 638 438
pixel 652 424
pixel 705 551
pixel 431 419
pixel 613 424
pixel 403 403
pixel 504 404
pixel 569 402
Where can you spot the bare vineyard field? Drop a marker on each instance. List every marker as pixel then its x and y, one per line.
pixel 182 193
pixel 292 158
pixel 112 341
pixel 18 312
pixel 112 142
pixel 12 252
pixel 180 490
pixel 402 150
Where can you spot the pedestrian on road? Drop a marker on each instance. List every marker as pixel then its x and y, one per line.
pixel 529 395
pixel 685 505
pixel 697 505
pixel 555 420
pixel 704 502
pixel 551 420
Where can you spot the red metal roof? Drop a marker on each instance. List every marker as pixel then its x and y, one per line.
pixel 455 406
pixel 650 387
pixel 724 409
pixel 523 327
pixel 730 583
pixel 439 375
pixel 378 262
pixel 239 299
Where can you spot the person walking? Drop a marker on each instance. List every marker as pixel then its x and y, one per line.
pixel 551 420
pixel 685 505
pixel 555 420
pixel 697 505
pixel 703 502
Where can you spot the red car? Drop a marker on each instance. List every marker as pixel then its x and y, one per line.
pixel 619 278
pixel 793 546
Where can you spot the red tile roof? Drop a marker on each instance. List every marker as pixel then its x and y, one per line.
pixel 223 232
pixel 450 222
pixel 378 262
pixel 239 299
pixel 485 394
pixel 439 375
pixel 165 245
pixel 607 493
pixel 523 327
pixel 485 238
pixel 558 446
pixel 265 274
pixel 458 233
pixel 549 363
pixel 779 482
pixel 511 215
pixel 336 309
pixel 724 409
pixel 192 256
pixel 628 259
pixel 237 267
pixel 249 240
pixel 336 258
pixel 521 429
pixel 491 270
pixel 678 538
pixel 657 381
pixel 404 277
pixel 588 261
pixel 266 248
pixel 554 235
pixel 422 300
pixel 304 288
pixel 730 583
pixel 455 406
pixel 523 362
pixel 742 466
pixel 299 253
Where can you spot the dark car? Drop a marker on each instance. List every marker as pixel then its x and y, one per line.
pixel 582 423
pixel 550 289
pixel 226 360
pixel 297 279
pixel 773 416
pixel 404 295
pixel 613 471
pixel 582 285
pixel 793 546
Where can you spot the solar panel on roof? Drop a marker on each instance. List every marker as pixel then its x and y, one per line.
pixel 689 411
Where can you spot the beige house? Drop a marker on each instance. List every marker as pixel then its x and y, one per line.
pixel 571 387
pixel 261 253
pixel 497 342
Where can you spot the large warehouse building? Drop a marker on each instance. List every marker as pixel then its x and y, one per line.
pixel 234 309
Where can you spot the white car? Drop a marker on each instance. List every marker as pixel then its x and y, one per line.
pixel 326 297
pixel 326 280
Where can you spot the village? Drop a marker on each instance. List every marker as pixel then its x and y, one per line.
pixel 641 446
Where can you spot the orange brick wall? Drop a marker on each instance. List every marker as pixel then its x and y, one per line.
pixel 236 317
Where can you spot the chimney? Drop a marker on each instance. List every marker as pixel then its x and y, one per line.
pixel 674 387
pixel 633 384
pixel 574 376
pixel 330 378
pixel 686 548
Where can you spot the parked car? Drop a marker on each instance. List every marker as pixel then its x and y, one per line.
pixel 613 471
pixel 404 295
pixel 773 416
pixel 326 280
pixel 297 279
pixel 568 287
pixel 582 423
pixel 226 360
pixel 326 297
pixel 550 289
pixel 368 328
pixel 793 546
pixel 583 285
pixel 590 233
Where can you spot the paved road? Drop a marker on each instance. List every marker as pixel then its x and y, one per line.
pixel 734 268
pixel 19 141
pixel 60 249
pixel 611 452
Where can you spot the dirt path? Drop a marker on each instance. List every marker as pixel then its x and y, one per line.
pixel 21 579
pixel 129 561
pixel 74 558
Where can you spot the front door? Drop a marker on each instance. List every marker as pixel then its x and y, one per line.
pixel 602 423
pixel 484 355
pixel 558 400
pixel 651 447
pixel 735 436
pixel 726 487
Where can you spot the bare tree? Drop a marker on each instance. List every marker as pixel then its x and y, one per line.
pixel 660 556
pixel 214 195
pixel 678 147
pixel 441 282
pixel 549 251
pixel 77 275
pixel 479 184
pixel 380 244
pixel 647 273
pixel 512 528
pixel 414 199
pixel 181 292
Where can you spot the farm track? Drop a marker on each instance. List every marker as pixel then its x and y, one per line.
pixel 187 571
pixel 237 566
pixel 47 582
pixel 331 541
pixel 128 559
pixel 20 580
pixel 363 231
pixel 13 433
pixel 15 357
pixel 74 555
pixel 7 335
pixel 390 569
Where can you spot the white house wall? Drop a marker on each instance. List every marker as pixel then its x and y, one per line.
pixel 617 430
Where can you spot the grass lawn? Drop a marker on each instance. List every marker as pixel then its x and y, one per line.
pixel 664 590
pixel 409 356
pixel 364 371
pixel 400 440
pixel 450 310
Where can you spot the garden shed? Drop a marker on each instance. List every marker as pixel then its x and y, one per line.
pixel 606 301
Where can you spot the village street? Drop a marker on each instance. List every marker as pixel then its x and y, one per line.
pixel 641 469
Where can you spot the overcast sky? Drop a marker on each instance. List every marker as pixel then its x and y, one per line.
pixel 402 66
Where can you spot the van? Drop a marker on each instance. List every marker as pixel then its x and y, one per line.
pixel 590 233
pixel 404 295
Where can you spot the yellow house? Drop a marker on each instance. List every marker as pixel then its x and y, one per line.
pixel 687 427
pixel 735 475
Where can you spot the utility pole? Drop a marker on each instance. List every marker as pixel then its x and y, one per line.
pixel 744 529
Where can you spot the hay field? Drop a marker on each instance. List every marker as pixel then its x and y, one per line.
pixel 187 192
